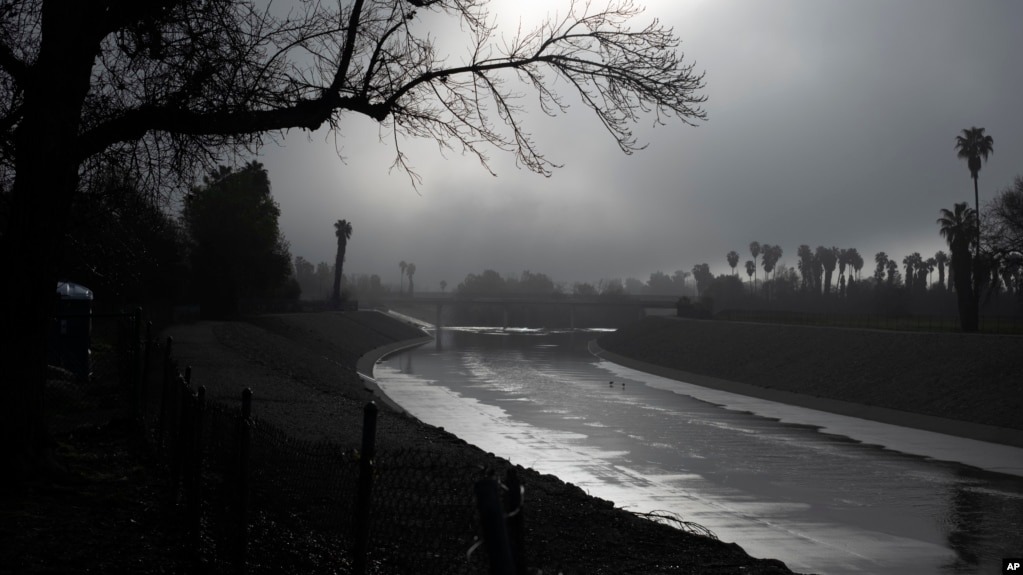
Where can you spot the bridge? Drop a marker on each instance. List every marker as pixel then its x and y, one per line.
pixel 572 302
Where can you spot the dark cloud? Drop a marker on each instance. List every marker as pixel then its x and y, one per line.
pixel 831 123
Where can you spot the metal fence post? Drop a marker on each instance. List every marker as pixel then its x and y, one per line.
pixel 495 532
pixel 365 490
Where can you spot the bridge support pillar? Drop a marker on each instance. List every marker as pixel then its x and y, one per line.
pixel 504 324
pixel 438 326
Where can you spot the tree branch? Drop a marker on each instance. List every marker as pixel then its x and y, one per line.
pixel 12 64
pixel 132 125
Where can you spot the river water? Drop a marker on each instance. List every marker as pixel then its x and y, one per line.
pixel 821 492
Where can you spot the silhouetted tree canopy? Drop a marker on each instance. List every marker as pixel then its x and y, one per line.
pixel 958 227
pixel 343 233
pixel 1004 220
pixel 237 248
pixel 158 86
pixel 122 245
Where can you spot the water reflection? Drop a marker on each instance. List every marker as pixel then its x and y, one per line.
pixel 984 520
pixel 818 501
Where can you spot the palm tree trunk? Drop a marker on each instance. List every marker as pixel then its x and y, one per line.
pixel 339 262
pixel 975 304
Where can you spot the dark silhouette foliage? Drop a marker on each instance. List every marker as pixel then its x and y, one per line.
pixel 122 245
pixel 958 228
pixel 237 250
pixel 1003 221
pixel 165 86
pixel 343 232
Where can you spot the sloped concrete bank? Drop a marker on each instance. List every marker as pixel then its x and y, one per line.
pixel 302 369
pixel 966 385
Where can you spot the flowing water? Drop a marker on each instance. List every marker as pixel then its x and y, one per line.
pixel 821 492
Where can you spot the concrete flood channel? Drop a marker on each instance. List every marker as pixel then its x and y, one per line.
pixel 824 493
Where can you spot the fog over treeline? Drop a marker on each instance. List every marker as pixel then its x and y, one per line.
pixel 828 124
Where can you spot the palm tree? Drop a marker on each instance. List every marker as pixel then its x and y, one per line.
pixel 912 262
pixel 343 231
pixel 843 261
pixel 771 256
pixel 829 257
pixel 893 272
pixel 751 268
pixel 856 261
pixel 411 271
pixel 443 285
pixel 957 227
pixel 733 260
pixel 881 259
pixel 401 283
pixel 805 255
pixel 974 147
pixel 754 249
pixel 929 265
pixel 940 258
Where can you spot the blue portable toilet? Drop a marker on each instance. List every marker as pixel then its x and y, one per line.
pixel 71 335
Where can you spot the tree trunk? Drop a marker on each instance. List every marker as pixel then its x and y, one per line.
pixel 965 296
pixel 339 262
pixel 46 162
pixel 977 281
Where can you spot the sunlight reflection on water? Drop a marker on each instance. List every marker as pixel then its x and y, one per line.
pixel 815 499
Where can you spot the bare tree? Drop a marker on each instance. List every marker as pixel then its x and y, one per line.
pixel 163 84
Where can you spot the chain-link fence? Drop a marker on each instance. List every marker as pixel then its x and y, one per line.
pixel 258 500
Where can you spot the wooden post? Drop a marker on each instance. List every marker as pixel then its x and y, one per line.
pixel 516 520
pixel 495 532
pixel 438 326
pixel 180 469
pixel 365 490
pixel 168 367
pixel 241 512
pixel 147 359
pixel 195 479
pixel 136 362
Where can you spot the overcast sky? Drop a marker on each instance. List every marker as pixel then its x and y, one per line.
pixel 829 123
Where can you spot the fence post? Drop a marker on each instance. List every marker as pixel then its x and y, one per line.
pixel 195 477
pixel 516 520
pixel 136 359
pixel 242 488
pixel 365 489
pixel 168 368
pixel 180 469
pixel 143 387
pixel 495 533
